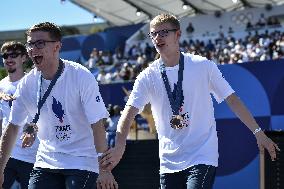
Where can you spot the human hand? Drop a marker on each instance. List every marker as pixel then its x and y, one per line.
pixel 111 157
pixel 6 97
pixel 106 180
pixel 264 142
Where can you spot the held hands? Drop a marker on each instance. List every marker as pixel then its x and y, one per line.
pixel 111 157
pixel 106 180
pixel 264 142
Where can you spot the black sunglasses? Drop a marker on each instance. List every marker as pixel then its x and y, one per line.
pixel 11 55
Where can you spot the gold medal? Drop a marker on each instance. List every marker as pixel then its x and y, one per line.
pixel 176 122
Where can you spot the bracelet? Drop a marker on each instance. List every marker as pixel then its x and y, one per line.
pixel 100 155
pixel 256 130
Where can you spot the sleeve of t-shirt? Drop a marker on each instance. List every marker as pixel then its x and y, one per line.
pixel 1 114
pixel 18 113
pixel 139 96
pixel 91 98
pixel 219 87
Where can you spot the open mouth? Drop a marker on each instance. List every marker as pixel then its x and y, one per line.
pixel 37 59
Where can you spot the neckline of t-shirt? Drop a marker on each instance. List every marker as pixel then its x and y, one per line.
pixel 60 77
pixel 169 68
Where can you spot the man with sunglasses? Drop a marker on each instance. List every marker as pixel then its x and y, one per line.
pixel 64 100
pixel 21 162
pixel 179 87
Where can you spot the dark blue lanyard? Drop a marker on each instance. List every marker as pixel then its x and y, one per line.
pixel 175 103
pixel 42 100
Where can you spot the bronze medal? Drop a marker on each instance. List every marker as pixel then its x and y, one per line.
pixel 176 122
pixel 175 97
pixel 31 128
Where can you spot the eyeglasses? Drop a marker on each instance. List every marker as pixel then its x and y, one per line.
pixel 40 44
pixel 162 33
pixel 11 55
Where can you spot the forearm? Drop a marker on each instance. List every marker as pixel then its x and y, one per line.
pixel 0 127
pixel 238 107
pixel 8 140
pixel 100 136
pixel 124 124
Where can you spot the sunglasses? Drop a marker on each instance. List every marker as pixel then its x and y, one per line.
pixel 162 33
pixel 11 55
pixel 39 44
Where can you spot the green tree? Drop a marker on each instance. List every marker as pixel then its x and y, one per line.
pixel 69 30
pixel 3 73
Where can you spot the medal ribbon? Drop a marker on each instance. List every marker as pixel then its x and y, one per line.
pixel 41 101
pixel 175 103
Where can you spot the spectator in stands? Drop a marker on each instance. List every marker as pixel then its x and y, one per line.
pixel 100 61
pixel 69 116
pixel 107 58
pixel 148 52
pixel 101 78
pixel 273 21
pixel 126 72
pixel 22 160
pixel 112 122
pixel 183 111
pixel 190 28
pixel 230 31
pixel 221 32
pixel 118 55
pixel 261 21
pixel 249 25
pixel 94 56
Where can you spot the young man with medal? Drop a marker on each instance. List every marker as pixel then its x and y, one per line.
pixel 22 160
pixel 178 86
pixel 64 100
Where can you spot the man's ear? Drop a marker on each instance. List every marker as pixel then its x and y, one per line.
pixel 58 46
pixel 179 33
pixel 25 58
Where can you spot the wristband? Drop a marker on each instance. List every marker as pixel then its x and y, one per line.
pixel 100 155
pixel 256 130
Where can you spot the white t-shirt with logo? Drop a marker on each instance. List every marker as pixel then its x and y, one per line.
pixel 197 142
pixel 65 133
pixel 19 153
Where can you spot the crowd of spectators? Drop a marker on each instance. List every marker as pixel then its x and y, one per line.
pixel 123 66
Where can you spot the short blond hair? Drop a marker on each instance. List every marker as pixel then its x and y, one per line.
pixel 165 18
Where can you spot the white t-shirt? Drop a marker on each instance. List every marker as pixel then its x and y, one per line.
pixel 19 153
pixel 65 133
pixel 197 142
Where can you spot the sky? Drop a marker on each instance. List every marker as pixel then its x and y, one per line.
pixel 22 14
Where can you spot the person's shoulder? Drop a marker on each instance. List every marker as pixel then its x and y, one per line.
pixel 198 60
pixel 77 71
pixel 4 80
pixel 70 65
pixel 31 74
pixel 152 67
pixel 193 58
